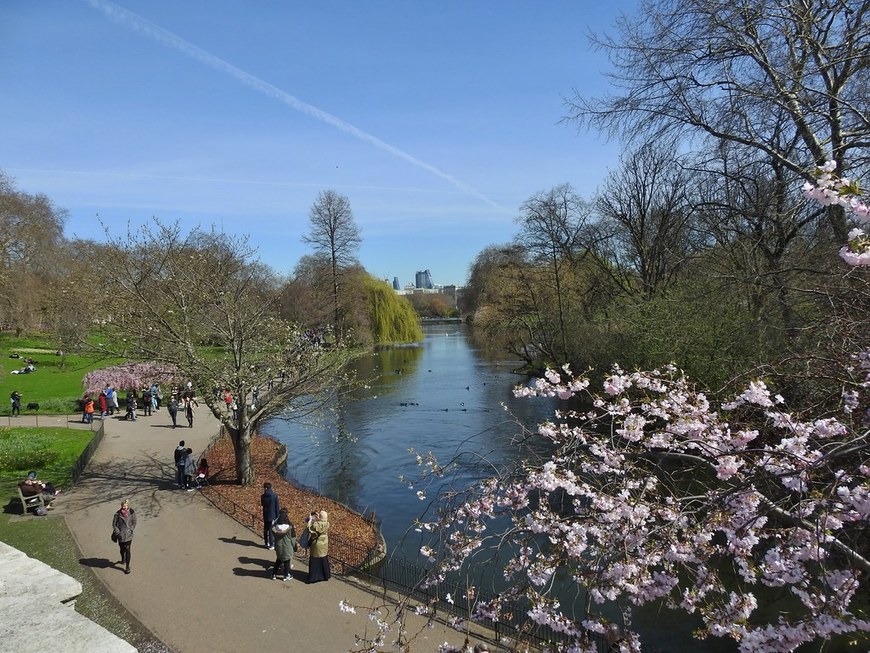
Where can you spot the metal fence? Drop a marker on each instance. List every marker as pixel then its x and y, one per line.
pixel 394 574
pixel 79 467
pixel 513 624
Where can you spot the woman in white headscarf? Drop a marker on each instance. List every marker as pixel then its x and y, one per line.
pixel 318 543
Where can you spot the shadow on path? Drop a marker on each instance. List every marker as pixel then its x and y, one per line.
pixel 235 540
pixel 97 563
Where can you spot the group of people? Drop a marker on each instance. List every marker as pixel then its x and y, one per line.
pixel 279 535
pixel 188 475
pixel 151 399
pixel 279 532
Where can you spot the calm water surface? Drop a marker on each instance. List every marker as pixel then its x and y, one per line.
pixel 443 396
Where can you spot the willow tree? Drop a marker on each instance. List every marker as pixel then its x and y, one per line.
pixel 202 303
pixel 393 318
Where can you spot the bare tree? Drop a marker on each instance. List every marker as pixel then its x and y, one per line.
pixel 201 303
pixel 787 78
pixel 31 231
pixel 646 220
pixel 765 236
pixel 334 233
pixel 306 297
pixel 551 227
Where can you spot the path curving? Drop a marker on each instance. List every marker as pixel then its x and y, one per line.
pixel 199 579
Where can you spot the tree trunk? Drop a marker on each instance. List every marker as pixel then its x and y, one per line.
pixel 242 446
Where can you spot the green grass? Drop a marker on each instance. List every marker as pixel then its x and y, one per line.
pixel 57 383
pixel 51 452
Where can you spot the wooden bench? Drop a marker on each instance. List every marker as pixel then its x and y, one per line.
pixel 30 502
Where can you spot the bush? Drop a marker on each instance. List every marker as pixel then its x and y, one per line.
pixel 60 405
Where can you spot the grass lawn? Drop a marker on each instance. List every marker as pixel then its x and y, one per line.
pixel 51 452
pixel 56 385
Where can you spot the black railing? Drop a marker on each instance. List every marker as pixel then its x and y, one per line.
pixel 397 574
pixel 78 467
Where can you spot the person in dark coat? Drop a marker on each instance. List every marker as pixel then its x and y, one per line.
pixel 285 545
pixel 269 501
pixel 172 406
pixel 15 397
pixel 180 455
pixel 146 401
pixel 318 543
pixel 123 525
pixel 32 486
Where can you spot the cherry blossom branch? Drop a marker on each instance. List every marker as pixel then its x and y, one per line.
pixel 830 189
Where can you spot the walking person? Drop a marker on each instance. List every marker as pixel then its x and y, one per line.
pixel 269 501
pixel 123 525
pixel 114 407
pixel 156 397
pixel 110 399
pixel 131 407
pixel 180 454
pixel 285 545
pixel 172 407
pixel 318 543
pixel 189 403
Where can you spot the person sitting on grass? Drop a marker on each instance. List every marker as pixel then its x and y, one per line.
pixel 32 486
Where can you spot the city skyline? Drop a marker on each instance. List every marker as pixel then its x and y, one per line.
pixel 436 121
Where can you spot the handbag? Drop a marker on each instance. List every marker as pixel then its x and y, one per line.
pixel 114 537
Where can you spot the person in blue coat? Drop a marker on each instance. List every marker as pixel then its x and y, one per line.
pixel 269 501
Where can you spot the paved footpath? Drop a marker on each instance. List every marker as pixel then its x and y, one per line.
pixel 199 579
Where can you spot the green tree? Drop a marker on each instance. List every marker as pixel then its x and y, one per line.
pixel 392 317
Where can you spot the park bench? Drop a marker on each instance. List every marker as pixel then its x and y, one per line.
pixel 30 502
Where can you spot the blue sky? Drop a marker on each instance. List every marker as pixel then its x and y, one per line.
pixel 436 119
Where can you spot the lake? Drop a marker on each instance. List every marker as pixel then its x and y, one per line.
pixel 443 396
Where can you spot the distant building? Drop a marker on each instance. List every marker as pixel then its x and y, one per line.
pixel 396 285
pixel 424 280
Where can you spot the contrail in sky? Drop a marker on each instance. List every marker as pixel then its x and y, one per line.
pixel 149 29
